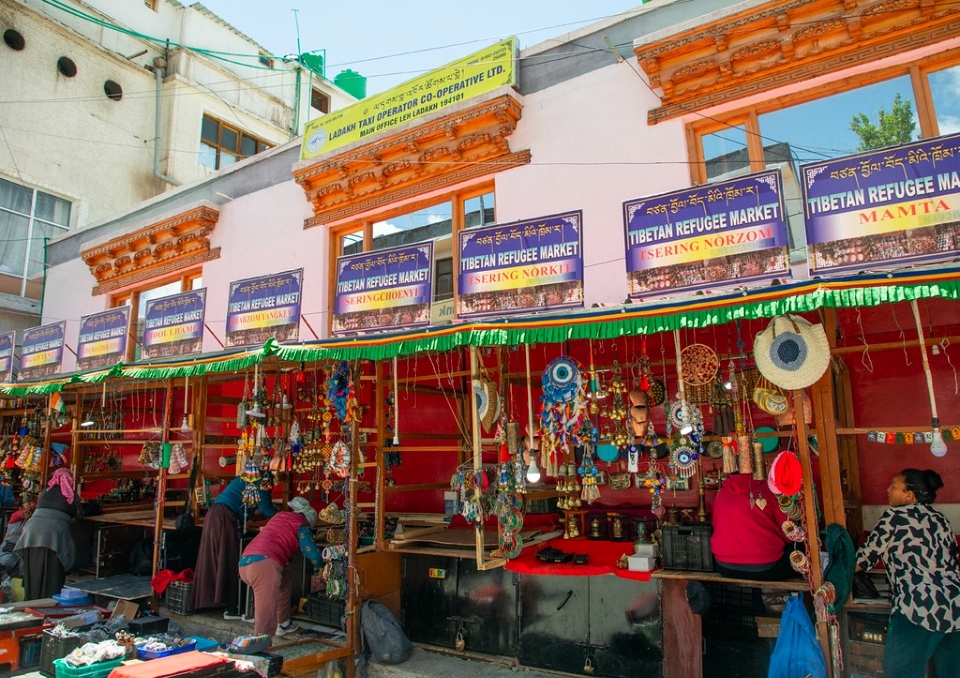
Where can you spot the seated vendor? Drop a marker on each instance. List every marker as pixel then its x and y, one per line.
pixel 748 539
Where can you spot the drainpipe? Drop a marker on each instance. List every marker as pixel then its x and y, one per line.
pixel 158 73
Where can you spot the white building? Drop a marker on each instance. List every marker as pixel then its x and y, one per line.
pixel 108 103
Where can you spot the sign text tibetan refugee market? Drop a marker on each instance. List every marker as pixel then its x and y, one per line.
pixel 892 207
pixel 386 289
pixel 727 232
pixel 466 78
pixel 7 342
pixel 42 352
pixel 264 307
pixel 524 266
pixel 103 338
pixel 174 325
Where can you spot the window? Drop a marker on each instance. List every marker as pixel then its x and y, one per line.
pixel 319 101
pixel 443 279
pixel 222 145
pixel 28 218
pixel 138 298
pixel 152 4
pixel 436 221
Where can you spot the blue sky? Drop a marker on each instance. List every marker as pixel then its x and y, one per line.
pixel 392 41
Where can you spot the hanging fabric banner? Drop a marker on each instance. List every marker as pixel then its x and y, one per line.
pixel 174 325
pixel 103 338
pixel 8 341
pixel 534 265
pixel 264 307
pixel 42 352
pixel 722 233
pixel 883 209
pixel 386 289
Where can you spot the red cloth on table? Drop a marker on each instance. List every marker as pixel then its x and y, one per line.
pixel 168 666
pixel 603 559
pixel 745 534
pixel 161 580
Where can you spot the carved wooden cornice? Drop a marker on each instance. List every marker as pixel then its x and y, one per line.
pixel 439 153
pixel 783 42
pixel 155 250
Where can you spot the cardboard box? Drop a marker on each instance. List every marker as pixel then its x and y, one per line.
pixel 127 608
pixel 646 550
pixel 641 564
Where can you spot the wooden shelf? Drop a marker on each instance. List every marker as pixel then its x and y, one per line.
pixel 127 441
pixel 108 475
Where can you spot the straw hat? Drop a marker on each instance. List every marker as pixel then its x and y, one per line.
pixel 792 353
pixel 488 403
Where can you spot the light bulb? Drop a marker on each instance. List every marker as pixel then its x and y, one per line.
pixel 687 427
pixel 185 426
pixel 938 448
pixel 533 473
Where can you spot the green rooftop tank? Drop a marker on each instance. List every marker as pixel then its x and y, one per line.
pixel 314 62
pixel 352 83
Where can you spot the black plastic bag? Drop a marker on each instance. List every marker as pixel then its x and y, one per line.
pixel 863 586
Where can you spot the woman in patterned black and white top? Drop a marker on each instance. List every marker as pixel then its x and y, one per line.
pixel 919 550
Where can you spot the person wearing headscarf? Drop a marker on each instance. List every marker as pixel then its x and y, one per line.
pixel 265 565
pixel 216 581
pixel 919 551
pixel 46 545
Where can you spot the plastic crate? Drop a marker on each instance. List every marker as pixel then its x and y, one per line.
pixel 99 670
pixel 325 610
pixel 55 647
pixel 178 598
pixel 188 646
pixel 687 547
pixel 30 651
pixel 145 626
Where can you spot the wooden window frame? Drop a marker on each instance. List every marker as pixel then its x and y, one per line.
pixel 918 71
pixel 221 125
pixel 319 93
pixel 457 199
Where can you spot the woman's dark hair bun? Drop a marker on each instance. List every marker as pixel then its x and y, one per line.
pixel 923 484
pixel 933 480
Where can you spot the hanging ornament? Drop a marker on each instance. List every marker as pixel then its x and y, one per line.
pixel 700 365
pixel 563 404
pixel 683 459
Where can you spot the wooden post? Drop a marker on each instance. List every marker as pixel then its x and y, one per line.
pixel 477 449
pixel 47 434
pixel 810 515
pixel 824 409
pixel 381 411
pixel 353 589
pixel 160 499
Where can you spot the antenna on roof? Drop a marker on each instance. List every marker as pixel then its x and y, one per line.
pixel 296 22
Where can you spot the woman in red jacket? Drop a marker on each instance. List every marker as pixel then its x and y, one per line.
pixel 748 540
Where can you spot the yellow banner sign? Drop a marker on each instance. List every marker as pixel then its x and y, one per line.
pixel 471 76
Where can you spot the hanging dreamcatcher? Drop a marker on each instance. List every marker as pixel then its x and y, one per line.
pixel 338 463
pixel 340 392
pixel 562 410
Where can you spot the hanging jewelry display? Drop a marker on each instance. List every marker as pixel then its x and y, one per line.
pixel 589 476
pixel 684 455
pixel 562 411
